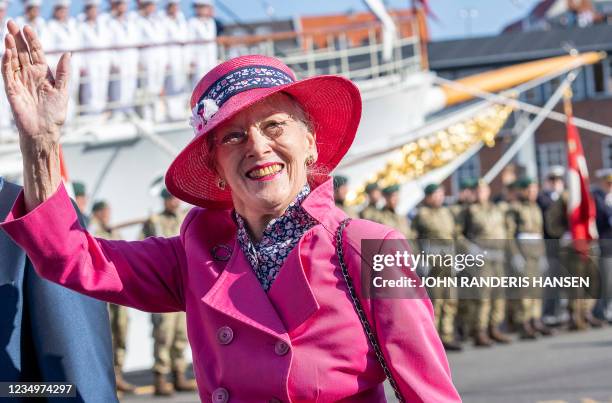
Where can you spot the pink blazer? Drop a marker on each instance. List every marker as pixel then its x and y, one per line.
pixel 300 342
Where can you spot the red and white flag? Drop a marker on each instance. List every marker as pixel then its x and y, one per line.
pixel 65 177
pixel 580 206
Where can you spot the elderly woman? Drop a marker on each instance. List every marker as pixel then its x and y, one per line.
pixel 257 267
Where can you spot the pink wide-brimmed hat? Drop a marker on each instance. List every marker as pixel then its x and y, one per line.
pixel 333 103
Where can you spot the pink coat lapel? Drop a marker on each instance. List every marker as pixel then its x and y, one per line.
pixel 238 293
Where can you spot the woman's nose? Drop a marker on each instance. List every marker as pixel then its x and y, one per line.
pixel 258 145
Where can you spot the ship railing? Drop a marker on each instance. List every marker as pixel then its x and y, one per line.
pixel 305 52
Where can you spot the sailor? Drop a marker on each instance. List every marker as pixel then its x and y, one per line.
pixel 389 215
pixel 434 229
pixel 5 113
pixel 31 16
pixel 63 35
pixel 169 329
pixel 484 227
pixel 202 27
pixel 553 188
pixel 175 86
pixel 100 228
pixel 603 202
pixel 340 192
pixel 153 59
pixel 123 33
pixel 375 200
pixel 525 226
pixel 95 69
pixel 573 263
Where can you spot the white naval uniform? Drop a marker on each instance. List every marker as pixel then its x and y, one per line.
pixel 203 57
pixel 124 32
pixel 39 25
pixel 5 110
pixel 153 62
pixel 62 37
pixel 178 65
pixel 95 65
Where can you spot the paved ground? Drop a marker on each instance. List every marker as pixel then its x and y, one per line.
pixel 567 368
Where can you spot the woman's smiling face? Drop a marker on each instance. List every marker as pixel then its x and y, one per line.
pixel 261 154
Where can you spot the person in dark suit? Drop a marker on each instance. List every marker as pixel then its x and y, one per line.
pixel 49 333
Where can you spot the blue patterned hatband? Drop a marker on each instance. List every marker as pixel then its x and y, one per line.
pixel 243 79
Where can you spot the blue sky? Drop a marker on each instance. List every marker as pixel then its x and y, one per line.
pixel 489 18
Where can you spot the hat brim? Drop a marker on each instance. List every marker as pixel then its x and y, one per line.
pixel 332 102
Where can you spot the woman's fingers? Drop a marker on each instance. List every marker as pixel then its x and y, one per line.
pixel 10 45
pixel 7 71
pixel 62 74
pixel 23 54
pixel 36 50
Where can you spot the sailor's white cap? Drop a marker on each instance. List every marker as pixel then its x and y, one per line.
pixel 148 1
pixel 203 3
pixel 62 3
pixel 174 1
pixel 88 3
pixel 3 4
pixel 556 171
pixel 32 3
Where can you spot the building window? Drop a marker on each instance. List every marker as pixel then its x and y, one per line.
pixel 607 153
pixel 550 154
pixel 468 170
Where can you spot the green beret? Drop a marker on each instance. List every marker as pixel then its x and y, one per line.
pixel 391 189
pixel 339 181
pixel 432 187
pixel 524 182
pixel 468 183
pixel 371 187
pixel 78 188
pixel 99 205
pixel 165 194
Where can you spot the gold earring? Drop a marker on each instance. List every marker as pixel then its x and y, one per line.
pixel 221 184
pixel 310 160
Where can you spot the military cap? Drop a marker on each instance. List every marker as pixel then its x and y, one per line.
pixel 556 171
pixel 429 189
pixel 605 174
pixel 165 194
pixel 99 205
pixel 390 189
pixel 78 188
pixel 468 183
pixel 339 181
pixel 371 187
pixel 524 182
pixel 203 2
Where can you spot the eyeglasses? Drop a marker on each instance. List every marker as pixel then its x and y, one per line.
pixel 270 128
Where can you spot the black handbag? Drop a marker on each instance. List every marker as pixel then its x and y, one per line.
pixel 370 333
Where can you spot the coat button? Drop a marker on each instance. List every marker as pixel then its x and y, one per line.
pixel 281 348
pixel 220 395
pixel 225 335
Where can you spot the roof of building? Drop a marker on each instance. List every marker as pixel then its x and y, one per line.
pixel 517 46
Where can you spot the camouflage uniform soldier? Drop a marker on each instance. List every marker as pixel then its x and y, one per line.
pixel 485 228
pixel 100 227
pixel 340 191
pixel 371 211
pixel 580 306
pixel 525 226
pixel 434 228
pixel 389 217
pixel 465 198
pixel 169 329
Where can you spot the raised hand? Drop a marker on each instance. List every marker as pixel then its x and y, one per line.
pixel 39 102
